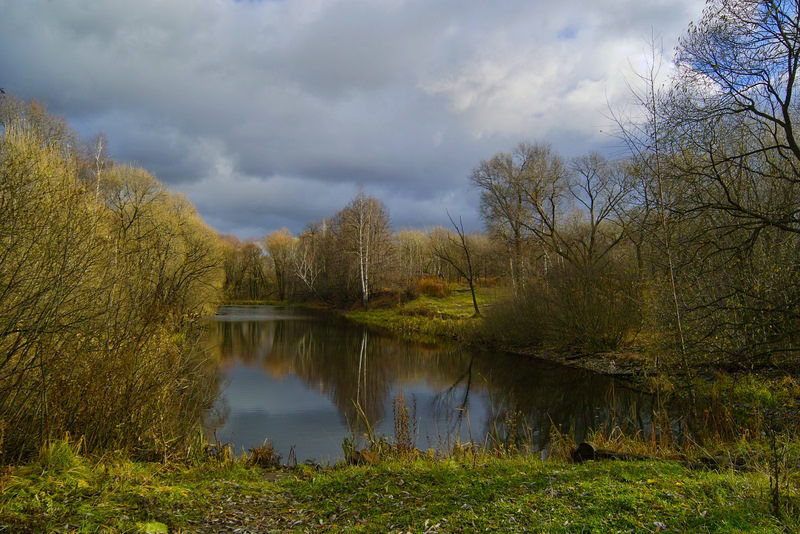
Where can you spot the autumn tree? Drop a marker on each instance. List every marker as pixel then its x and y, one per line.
pixel 100 293
pixel 568 210
pixel 247 274
pixel 364 231
pixel 173 258
pixel 504 209
pixel 280 247
pixel 570 216
pixel 49 261
pixel 413 254
pixel 307 264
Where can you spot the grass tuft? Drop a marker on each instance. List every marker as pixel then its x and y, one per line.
pixel 265 456
pixel 58 456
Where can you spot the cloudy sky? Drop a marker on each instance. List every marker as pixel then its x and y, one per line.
pixel 272 113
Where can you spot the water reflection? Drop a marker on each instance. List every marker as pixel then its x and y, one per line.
pixel 302 378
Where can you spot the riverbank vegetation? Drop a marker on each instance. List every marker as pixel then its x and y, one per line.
pixel 103 277
pixel 64 491
pixel 440 313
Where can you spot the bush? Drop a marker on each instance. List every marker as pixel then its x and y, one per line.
pixel 104 282
pixel 588 310
pixel 593 310
pixel 520 320
pixel 432 287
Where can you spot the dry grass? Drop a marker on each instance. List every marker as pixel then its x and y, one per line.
pixel 265 456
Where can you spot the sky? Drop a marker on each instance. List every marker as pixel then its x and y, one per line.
pixel 273 113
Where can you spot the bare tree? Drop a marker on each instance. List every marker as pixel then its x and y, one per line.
pixel 412 253
pixel 305 260
pixel 735 108
pixel 501 180
pixel 600 191
pixel 545 193
pixel 645 135
pixel 458 253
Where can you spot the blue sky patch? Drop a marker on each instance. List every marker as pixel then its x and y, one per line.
pixel 568 33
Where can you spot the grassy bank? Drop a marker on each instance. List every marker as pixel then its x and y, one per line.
pixel 64 492
pixel 429 318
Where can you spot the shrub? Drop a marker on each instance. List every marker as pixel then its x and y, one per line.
pixel 104 282
pixel 593 309
pixel 432 287
pixel 588 310
pixel 518 321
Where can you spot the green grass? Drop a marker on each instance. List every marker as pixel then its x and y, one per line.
pixel 520 495
pixel 458 304
pixel 429 318
pixel 473 494
pixel 116 495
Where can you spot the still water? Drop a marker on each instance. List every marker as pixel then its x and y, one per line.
pixel 308 380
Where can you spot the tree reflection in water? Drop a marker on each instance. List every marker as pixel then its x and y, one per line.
pixel 338 366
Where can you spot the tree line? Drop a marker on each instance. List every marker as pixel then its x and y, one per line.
pixel 554 230
pixel 352 257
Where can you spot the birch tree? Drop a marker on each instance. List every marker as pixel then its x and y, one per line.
pixel 365 232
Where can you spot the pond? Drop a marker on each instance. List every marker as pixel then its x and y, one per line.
pixel 309 380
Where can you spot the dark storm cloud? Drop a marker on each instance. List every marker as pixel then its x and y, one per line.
pixel 271 114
